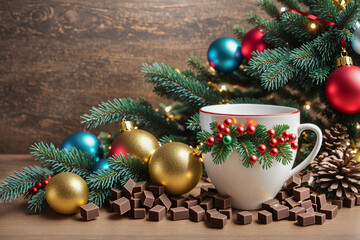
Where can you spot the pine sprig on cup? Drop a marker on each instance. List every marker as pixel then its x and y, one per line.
pixel 254 143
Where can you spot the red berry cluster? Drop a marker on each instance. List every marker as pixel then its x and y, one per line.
pixel 273 142
pixel 40 185
pixel 223 129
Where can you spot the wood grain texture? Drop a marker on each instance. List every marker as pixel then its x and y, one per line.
pixel 59 58
pixel 17 223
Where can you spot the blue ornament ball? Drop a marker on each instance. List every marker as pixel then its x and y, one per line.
pixel 102 164
pixel 86 142
pixel 224 54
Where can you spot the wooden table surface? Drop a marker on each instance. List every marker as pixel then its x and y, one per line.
pixel 17 223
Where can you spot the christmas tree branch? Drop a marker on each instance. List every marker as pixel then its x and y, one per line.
pixel 22 182
pixel 98 196
pixel 134 110
pixel 203 72
pixel 324 9
pixel 101 179
pixel 239 31
pixel 170 138
pixel 291 4
pixel 37 202
pixel 62 160
pixel 270 8
pixel 171 84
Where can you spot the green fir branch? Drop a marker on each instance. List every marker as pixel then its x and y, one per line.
pixel 37 202
pixel 291 4
pixel 324 9
pixel 63 160
pixel 101 179
pixel 193 123
pixel 173 85
pixel 221 152
pixel 246 148
pixel 21 182
pixel 348 16
pixel 203 72
pixel 270 8
pixel 139 111
pixel 285 154
pixel 239 31
pixel 279 129
pixel 99 196
pixel 170 138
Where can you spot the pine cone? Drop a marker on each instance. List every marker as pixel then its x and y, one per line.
pixel 335 137
pixel 339 172
pixel 315 163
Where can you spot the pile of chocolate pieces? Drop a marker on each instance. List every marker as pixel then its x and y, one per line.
pixel 295 202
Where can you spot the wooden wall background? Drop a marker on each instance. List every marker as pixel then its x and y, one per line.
pixel 59 58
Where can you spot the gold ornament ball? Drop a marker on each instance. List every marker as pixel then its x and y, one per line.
pixel 176 166
pixel 66 192
pixel 138 143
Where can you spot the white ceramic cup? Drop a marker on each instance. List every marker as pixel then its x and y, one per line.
pixel 249 187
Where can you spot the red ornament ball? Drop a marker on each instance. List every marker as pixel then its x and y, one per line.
pixel 343 89
pixel 253 158
pixel 294 146
pixel 33 190
pixel 285 134
pixel 220 127
pixel 253 41
pixel 228 122
pixel 292 137
pixel 281 140
pixel 271 133
pixel 38 185
pixel 273 142
pixel 49 177
pixel 219 137
pixel 262 148
pixel 240 130
pixel 227 131
pixel 251 129
pixel 274 152
pixel 210 140
pixel 44 183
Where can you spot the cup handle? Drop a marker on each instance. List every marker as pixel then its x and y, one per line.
pixel 314 152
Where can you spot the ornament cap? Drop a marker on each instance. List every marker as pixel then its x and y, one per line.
pixel 125 125
pixel 197 152
pixel 344 59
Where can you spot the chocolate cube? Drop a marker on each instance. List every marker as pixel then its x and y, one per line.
pixel 222 201
pixel 338 203
pixel 89 211
pixel 135 202
pixel 280 212
pixel 217 220
pixel 293 181
pixel 309 210
pixel 321 200
pixel 128 188
pixel 319 218
pixel 122 205
pixel 207 204
pixel 210 212
pixel 357 202
pixel 110 205
pixel 306 180
pixel 306 204
pixel 349 202
pixel 196 213
pixel 139 213
pixel 177 201
pixel 314 206
pixel 179 213
pixel 282 195
pixel 244 217
pixel 211 188
pixel 313 197
pixel 201 197
pixel 147 199
pixel 227 212
pixel 140 186
pixel 267 205
pixel 265 217
pixel 330 210
pixel 157 213
pixel 163 200
pixel 157 190
pixel 116 193
pixel 291 203
pixel 190 203
pixel 300 194
pixel 137 195
pixel 293 213
pixel 306 219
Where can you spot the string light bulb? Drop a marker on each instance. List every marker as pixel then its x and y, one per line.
pixel 168 109
pixel 307 105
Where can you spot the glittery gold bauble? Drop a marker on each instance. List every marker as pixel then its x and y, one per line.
pixel 340 4
pixel 66 192
pixel 176 166
pixel 138 143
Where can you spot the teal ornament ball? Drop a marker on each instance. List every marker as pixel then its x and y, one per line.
pixel 86 142
pixel 227 139
pixel 224 54
pixel 102 164
pixel 355 43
